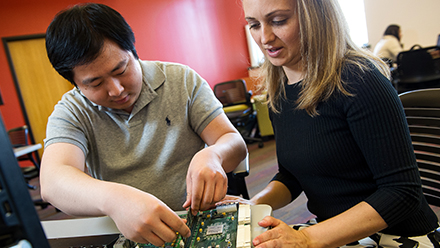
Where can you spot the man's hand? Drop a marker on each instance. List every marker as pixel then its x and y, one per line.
pixel 143 218
pixel 206 181
pixel 281 235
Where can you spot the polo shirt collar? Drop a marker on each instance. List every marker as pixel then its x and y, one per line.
pixel 152 77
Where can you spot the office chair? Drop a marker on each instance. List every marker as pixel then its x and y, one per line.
pixel 422 109
pixel 416 69
pixel 236 179
pixel 19 137
pixel 236 100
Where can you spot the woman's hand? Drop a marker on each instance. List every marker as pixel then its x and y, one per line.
pixel 280 235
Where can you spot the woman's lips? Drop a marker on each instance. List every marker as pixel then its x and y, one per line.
pixel 273 52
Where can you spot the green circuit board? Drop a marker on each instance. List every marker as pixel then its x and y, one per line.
pixel 209 229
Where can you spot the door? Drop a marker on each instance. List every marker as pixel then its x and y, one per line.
pixel 38 85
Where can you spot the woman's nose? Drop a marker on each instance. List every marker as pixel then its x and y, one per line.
pixel 267 35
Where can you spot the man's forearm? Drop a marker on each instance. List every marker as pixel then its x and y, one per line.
pixel 73 191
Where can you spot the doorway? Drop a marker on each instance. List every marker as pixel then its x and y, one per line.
pixel 39 87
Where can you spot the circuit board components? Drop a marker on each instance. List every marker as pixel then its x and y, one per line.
pixel 226 226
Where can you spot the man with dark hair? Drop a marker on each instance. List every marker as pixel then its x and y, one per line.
pixel 121 142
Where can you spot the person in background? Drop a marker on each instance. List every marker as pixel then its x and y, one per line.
pixel 341 135
pixel 121 142
pixel 389 46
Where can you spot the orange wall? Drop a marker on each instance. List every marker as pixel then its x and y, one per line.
pixel 207 35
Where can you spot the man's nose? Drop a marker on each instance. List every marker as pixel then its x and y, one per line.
pixel 114 87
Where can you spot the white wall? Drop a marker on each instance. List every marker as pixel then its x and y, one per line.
pixel 418 19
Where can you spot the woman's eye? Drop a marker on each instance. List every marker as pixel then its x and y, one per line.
pixel 254 25
pixel 280 22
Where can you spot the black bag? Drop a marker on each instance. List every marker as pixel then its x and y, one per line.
pixel 417 65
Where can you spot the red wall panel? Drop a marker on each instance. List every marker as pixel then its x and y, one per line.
pixel 207 35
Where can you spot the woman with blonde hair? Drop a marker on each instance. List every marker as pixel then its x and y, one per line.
pixel 341 134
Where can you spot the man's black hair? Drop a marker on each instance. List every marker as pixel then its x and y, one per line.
pixel 76 36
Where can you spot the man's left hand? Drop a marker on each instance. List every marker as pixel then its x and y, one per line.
pixel 206 181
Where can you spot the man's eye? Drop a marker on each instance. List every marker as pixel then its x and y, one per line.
pixel 122 72
pixel 97 85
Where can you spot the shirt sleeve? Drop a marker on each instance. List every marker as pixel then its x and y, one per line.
pixel 377 122
pixel 289 180
pixel 64 125
pixel 394 48
pixel 203 105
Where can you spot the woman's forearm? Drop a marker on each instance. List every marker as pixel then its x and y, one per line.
pixel 358 222
pixel 276 194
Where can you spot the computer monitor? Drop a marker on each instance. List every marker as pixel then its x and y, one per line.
pixel 438 40
pixel 19 221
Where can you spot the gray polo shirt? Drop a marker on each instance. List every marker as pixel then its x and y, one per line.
pixel 149 148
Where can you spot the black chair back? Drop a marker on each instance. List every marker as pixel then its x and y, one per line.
pixel 243 115
pixel 232 92
pixel 19 136
pixel 422 109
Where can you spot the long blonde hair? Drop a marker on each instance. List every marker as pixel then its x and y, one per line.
pixel 326 47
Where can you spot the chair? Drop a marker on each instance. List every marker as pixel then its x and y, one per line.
pixel 236 179
pixel 417 69
pixel 19 137
pixel 422 109
pixel 236 100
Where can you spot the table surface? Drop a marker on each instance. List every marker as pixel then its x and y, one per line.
pixel 57 230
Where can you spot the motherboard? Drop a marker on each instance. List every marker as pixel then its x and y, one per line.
pixel 226 226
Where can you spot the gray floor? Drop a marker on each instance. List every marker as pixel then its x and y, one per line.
pixel 263 166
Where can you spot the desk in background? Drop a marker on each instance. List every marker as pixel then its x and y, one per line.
pixel 23 150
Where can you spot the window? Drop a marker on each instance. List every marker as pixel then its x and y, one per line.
pixel 354 12
pixel 255 53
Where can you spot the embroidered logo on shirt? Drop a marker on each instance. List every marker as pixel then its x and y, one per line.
pixel 168 121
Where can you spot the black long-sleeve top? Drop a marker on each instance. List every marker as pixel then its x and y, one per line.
pixel 357 149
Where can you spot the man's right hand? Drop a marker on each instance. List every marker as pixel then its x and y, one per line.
pixel 139 216
pixel 143 218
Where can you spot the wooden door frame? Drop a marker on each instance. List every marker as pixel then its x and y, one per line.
pixel 5 41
